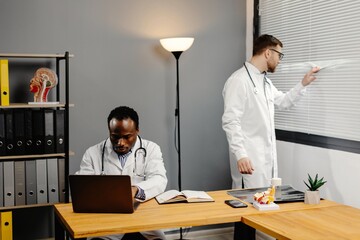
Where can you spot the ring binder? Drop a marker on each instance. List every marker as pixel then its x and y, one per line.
pixel 9 188
pixel 4 82
pixel 9 133
pixel 19 132
pixel 2 133
pixel 38 131
pixel 19 176
pixel 49 145
pixel 6 229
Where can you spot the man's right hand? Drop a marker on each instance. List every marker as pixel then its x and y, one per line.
pixel 309 76
pixel 245 166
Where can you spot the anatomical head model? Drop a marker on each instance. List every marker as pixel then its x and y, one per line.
pixel 43 80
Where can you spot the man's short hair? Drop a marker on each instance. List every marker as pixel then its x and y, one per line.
pixel 123 112
pixel 263 42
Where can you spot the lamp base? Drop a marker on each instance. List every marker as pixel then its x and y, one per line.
pixel 182 233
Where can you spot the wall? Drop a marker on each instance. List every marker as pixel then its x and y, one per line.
pixel 119 61
pixel 340 170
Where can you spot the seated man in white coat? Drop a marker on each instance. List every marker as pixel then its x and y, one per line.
pixel 126 153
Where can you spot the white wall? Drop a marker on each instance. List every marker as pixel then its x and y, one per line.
pixel 340 169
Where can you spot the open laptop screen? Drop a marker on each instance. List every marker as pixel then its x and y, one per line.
pixel 101 193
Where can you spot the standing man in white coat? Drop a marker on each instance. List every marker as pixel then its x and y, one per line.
pixel 126 153
pixel 248 119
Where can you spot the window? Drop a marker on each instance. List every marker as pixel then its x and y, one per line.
pixel 327 34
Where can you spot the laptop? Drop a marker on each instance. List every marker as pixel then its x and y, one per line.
pixel 101 194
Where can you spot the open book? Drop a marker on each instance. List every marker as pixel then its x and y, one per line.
pixel 173 196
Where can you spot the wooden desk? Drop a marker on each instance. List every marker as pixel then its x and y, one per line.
pixel 335 222
pixel 150 216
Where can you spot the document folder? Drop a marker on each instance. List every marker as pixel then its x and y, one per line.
pixel 53 182
pixel 19 169
pixel 41 181
pixel 49 145
pixel 9 132
pixel 4 82
pixel 61 176
pixel 38 131
pixel 30 174
pixel 19 132
pixel 6 228
pixel 2 133
pixel 1 185
pixel 59 121
pixel 29 142
pixel 9 188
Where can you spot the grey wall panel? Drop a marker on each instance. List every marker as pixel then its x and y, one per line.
pixel 119 61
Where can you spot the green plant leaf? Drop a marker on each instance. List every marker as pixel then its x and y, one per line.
pixel 307 186
pixel 316 179
pixel 315 183
pixel 310 180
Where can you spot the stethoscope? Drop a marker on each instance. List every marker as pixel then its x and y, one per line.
pixel 252 81
pixel 141 149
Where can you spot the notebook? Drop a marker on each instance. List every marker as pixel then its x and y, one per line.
pixel 101 194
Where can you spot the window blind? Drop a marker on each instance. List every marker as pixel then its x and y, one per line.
pixel 323 33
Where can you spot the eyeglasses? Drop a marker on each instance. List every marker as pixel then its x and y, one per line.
pixel 281 55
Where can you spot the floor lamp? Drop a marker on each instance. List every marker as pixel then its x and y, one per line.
pixel 177 46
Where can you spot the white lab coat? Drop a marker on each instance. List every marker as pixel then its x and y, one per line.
pixel 153 183
pixel 248 121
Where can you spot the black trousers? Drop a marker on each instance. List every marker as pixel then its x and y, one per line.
pixel 243 232
pixel 133 236
pixel 128 236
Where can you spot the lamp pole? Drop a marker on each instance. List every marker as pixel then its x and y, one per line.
pixel 177 115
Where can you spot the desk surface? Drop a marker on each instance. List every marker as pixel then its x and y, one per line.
pixel 335 222
pixel 150 216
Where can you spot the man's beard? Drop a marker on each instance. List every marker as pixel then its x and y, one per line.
pixel 271 69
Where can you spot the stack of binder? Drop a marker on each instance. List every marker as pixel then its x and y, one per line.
pixel 27 182
pixel 26 131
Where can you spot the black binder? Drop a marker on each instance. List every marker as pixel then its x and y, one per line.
pixel 9 132
pixel 2 133
pixel 49 145
pixel 19 132
pixel 38 131
pixel 29 142
pixel 59 129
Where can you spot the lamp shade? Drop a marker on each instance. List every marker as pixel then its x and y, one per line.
pixel 180 44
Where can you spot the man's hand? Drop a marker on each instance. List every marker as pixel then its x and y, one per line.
pixel 245 166
pixel 134 190
pixel 309 77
